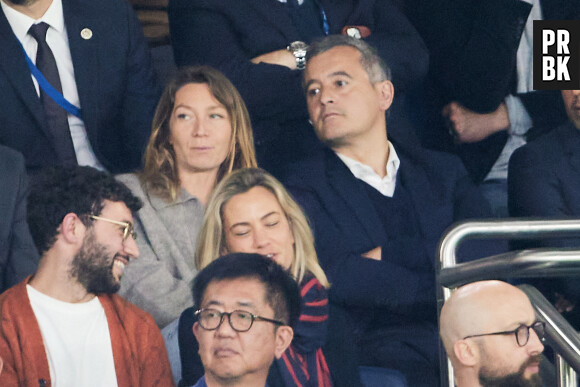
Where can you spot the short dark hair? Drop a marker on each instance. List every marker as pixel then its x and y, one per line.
pixel 376 69
pixel 282 293
pixel 57 191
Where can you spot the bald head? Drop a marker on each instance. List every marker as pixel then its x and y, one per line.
pixel 481 307
pixel 478 325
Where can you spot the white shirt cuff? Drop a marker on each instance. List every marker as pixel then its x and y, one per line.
pixel 520 120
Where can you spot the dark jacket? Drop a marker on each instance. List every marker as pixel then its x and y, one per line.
pixel 18 255
pixel 544 182
pixel 114 78
pixel 396 295
pixel 473 47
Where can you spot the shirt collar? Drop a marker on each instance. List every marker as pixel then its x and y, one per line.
pixel 385 185
pixel 391 168
pixel 21 23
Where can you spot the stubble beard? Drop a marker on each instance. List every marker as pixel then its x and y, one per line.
pixel 92 267
pixel 515 379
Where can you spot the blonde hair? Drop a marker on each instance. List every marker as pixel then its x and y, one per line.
pixel 160 175
pixel 211 241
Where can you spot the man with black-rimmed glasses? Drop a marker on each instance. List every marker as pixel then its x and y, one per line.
pixel 491 336
pixel 246 307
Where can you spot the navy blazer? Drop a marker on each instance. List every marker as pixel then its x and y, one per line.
pixel 346 225
pixel 544 178
pixel 114 78
pixel 227 34
pixel 544 181
pixel 391 302
pixel 18 255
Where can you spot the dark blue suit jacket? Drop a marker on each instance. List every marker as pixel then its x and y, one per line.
pixel 544 178
pixel 114 78
pixel 227 34
pixel 399 290
pixel 544 182
pixel 346 225
pixel 18 255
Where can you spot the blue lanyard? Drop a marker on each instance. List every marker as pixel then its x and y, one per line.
pixel 48 89
pixel 325 26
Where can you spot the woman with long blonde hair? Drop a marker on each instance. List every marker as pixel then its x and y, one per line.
pixel 251 212
pixel 201 132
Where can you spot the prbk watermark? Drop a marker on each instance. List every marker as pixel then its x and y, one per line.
pixel 556 54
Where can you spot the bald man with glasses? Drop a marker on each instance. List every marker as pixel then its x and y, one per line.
pixel 491 336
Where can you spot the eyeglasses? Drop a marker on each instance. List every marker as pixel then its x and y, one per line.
pixel 240 320
pixel 127 230
pixel 522 332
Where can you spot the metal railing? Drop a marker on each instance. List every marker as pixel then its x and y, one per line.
pixel 559 335
pixel 525 263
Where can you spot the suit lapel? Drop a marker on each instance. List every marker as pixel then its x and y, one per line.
pixel 431 213
pixel 83 36
pixel 17 71
pixel 355 198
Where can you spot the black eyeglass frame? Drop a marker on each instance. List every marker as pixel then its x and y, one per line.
pixel 253 316
pixel 535 325
pixel 128 226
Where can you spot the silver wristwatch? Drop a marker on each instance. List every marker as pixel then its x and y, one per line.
pixel 354 32
pixel 298 49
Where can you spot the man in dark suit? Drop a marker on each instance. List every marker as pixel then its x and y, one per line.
pixel 104 68
pixel 18 255
pixel 544 182
pixel 378 209
pixel 481 100
pixel 247 40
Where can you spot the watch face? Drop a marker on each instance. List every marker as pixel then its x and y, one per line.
pixel 298 49
pixel 298 45
pixel 354 32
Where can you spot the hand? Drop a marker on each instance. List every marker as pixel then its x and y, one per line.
pixel 467 126
pixel 373 254
pixel 279 57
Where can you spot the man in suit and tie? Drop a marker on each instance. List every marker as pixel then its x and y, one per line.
pixel 378 209
pixel 77 83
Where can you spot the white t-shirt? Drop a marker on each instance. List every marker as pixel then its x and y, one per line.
pixel 77 341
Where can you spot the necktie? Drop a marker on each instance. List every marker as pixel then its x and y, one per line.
pixel 56 116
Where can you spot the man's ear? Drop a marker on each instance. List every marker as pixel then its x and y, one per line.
pixel 386 92
pixel 71 230
pixel 195 330
pixel 466 353
pixel 284 336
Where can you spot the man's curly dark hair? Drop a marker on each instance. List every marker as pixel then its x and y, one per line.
pixel 58 191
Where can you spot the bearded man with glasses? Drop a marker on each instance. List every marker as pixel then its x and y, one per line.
pixel 491 336
pixel 64 325
pixel 246 307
